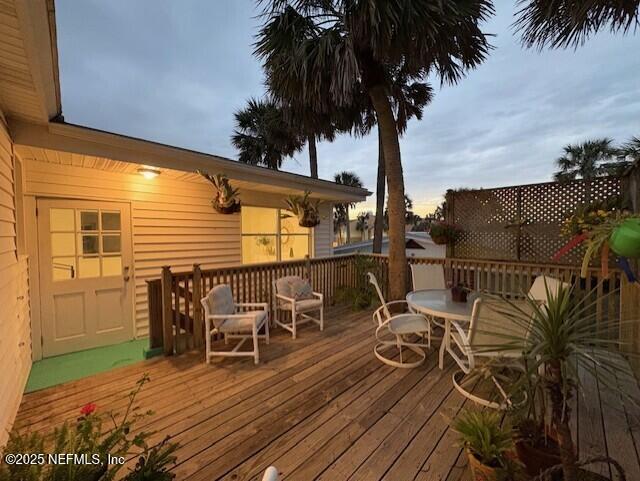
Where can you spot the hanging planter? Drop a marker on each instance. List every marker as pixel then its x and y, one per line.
pixel 226 199
pixel 306 210
pixel 443 233
pixel 625 239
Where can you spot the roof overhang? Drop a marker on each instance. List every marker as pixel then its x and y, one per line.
pixel 85 141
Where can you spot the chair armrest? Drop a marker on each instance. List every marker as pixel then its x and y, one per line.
pixel 462 333
pixel 263 305
pixel 319 295
pixel 222 317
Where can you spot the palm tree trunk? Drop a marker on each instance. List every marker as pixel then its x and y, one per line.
pixel 378 227
pixel 393 167
pixel 313 155
pixel 348 225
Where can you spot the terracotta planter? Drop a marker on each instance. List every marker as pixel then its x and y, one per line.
pixel 479 471
pixel 625 239
pixel 536 459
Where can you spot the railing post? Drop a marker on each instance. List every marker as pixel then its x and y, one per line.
pixel 167 312
pixel 198 321
pixel 629 316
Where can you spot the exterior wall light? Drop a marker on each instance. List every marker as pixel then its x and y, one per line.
pixel 149 172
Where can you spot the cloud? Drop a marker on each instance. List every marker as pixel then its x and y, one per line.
pixel 175 72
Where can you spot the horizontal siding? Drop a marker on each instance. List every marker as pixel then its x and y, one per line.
pixel 15 325
pixel 173 222
pixel 323 234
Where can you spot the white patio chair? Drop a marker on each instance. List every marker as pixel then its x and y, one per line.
pixel 400 326
pixel 285 300
pixel 271 474
pixel 488 327
pixel 223 315
pixel 428 276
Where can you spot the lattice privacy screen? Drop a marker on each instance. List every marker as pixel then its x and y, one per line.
pixel 521 222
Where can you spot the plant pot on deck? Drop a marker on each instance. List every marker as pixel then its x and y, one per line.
pixel 625 239
pixel 479 471
pixel 536 458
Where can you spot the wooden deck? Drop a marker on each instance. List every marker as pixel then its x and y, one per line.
pixel 321 407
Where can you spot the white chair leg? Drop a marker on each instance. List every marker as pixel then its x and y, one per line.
pixel 322 318
pixel 226 341
pixel 293 321
pixel 256 354
pixel 266 329
pixel 207 340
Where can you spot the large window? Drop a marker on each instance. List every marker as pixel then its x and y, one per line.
pixel 270 235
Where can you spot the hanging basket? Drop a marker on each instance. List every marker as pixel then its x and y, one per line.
pixel 440 240
pixel 625 239
pixel 226 209
pixel 308 218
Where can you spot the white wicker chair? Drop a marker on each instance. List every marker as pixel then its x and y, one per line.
pixel 400 326
pixel 223 315
pixel 299 309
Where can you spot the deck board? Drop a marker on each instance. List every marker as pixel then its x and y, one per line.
pixel 320 407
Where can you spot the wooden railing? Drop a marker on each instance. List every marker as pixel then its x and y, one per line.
pixel 174 299
pixel 176 314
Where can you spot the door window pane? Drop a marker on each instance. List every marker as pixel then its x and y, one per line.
pixel 63 244
pixel 110 220
pixel 294 246
pixel 259 220
pixel 89 220
pixel 61 220
pixel 111 266
pixel 88 267
pixel 289 224
pixel 259 249
pixel 89 244
pixel 111 243
pixel 63 268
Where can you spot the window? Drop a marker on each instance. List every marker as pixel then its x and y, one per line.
pixel 269 235
pixel 85 243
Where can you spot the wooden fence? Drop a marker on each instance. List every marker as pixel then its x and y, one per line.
pixel 176 318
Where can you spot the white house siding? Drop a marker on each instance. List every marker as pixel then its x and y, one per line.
pixel 15 333
pixel 173 222
pixel 323 234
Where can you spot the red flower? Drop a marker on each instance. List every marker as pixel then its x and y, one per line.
pixel 88 409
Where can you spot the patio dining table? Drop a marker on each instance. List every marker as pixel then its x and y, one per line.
pixel 438 303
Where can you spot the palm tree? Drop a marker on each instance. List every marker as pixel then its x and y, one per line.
pixel 329 54
pixel 630 150
pixel 352 180
pixel 589 159
pixel 569 23
pixel 263 135
pixel 339 219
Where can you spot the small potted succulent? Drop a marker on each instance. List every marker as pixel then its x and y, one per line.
pixel 306 210
pixel 444 233
pixel 488 445
pixel 226 199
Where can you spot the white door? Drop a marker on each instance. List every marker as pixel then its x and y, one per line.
pixel 85 268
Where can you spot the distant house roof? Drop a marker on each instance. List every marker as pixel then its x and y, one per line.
pixel 414 240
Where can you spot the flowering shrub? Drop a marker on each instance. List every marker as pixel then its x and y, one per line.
pixel 587 216
pixel 91 440
pixel 444 233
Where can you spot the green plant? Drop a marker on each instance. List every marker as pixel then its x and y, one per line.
pixel 226 199
pixel 481 434
pixel 444 233
pixel 588 215
pixel 92 439
pixel 362 294
pixel 306 210
pixel 555 339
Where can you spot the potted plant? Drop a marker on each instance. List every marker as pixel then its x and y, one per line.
pixel 226 199
pixel 306 210
pixel 552 338
pixel 487 444
pixel 444 233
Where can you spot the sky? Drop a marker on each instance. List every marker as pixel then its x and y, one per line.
pixel 175 72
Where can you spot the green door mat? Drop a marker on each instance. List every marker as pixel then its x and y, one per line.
pixel 76 365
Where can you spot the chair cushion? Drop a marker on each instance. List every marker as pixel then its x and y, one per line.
pixel 245 323
pixel 408 324
pixel 284 284
pixel 308 304
pixel 301 289
pixel 220 300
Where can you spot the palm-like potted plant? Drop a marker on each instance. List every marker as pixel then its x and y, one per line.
pixel 226 199
pixel 557 338
pixel 305 209
pixel 488 445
